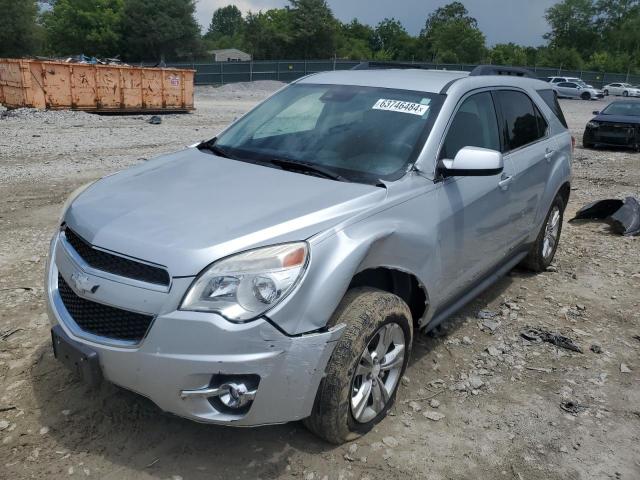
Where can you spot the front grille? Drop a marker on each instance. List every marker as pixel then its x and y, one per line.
pixel 616 133
pixel 616 128
pixel 114 264
pixel 102 320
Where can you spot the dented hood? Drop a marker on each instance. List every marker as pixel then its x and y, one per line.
pixel 188 209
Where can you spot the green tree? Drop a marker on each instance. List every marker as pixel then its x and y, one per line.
pixel 508 54
pixel 457 41
pixel 18 29
pixel 354 41
pixel 391 36
pixel 573 25
pixel 437 38
pixel 84 26
pixel 314 29
pixel 567 58
pixel 450 12
pixel 152 29
pixel 268 35
pixel 226 22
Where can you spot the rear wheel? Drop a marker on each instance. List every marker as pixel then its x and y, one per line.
pixel 544 249
pixel 365 369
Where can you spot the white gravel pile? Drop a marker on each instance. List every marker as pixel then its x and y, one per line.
pixel 49 116
pixel 258 88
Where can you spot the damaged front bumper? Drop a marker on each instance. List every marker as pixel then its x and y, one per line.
pixel 187 355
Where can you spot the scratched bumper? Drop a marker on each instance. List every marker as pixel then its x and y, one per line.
pixel 184 350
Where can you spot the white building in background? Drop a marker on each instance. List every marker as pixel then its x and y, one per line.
pixel 230 55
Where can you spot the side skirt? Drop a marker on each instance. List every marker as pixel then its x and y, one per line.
pixel 485 282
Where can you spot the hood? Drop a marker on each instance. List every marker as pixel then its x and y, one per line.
pixel 188 209
pixel 617 118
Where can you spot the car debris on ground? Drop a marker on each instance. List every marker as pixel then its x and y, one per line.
pixel 537 335
pixel 622 215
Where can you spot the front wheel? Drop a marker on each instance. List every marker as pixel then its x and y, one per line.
pixel 544 249
pixel 363 374
pixel 625 94
pixel 585 96
pixel 606 93
pixel 586 142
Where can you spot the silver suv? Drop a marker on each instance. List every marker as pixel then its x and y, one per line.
pixel 279 271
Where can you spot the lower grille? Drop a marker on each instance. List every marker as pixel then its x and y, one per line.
pixel 102 320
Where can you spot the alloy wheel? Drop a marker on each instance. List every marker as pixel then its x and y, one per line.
pixel 551 231
pixel 378 373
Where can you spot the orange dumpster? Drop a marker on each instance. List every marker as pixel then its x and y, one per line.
pixel 94 88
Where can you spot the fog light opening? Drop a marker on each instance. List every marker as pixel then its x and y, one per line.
pixel 237 393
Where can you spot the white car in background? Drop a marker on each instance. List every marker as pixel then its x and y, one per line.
pixel 624 89
pixel 556 80
pixel 577 90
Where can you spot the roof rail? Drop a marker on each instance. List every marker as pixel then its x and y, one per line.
pixel 500 70
pixel 383 65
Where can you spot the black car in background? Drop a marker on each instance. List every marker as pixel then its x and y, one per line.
pixel 617 125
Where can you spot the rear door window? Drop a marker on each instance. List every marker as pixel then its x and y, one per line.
pixel 551 99
pixel 520 121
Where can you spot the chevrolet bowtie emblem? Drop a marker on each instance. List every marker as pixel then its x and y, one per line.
pixel 83 283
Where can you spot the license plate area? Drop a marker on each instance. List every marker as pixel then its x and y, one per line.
pixel 76 356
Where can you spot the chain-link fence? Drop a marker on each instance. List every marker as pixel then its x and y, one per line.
pixel 219 73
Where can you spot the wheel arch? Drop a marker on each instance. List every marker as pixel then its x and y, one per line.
pixel 404 284
pixel 565 192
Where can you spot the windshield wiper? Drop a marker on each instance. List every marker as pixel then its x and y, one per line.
pixel 213 148
pixel 294 165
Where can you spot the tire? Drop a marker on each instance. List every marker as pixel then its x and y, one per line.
pixel 585 96
pixel 606 93
pixel 366 312
pixel 539 257
pixel 625 94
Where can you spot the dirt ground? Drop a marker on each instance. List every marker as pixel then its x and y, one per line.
pixel 478 401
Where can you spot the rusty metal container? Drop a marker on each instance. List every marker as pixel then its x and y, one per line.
pixel 94 88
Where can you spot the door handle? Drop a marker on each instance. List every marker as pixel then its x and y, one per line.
pixel 549 155
pixel 505 182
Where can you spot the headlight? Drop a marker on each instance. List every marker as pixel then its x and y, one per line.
pixel 593 125
pixel 244 286
pixel 75 194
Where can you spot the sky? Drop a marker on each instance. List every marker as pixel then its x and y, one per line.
pixel 502 21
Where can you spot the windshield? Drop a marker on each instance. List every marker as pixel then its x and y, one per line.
pixel 623 108
pixel 360 133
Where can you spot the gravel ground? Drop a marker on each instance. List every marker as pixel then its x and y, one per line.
pixel 477 401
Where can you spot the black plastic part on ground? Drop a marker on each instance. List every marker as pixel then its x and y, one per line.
pixel 622 215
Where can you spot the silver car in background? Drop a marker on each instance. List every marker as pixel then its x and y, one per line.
pixel 278 272
pixel 621 89
pixel 577 90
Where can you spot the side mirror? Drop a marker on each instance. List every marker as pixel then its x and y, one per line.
pixel 596 112
pixel 473 162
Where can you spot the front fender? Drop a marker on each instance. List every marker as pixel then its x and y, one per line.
pixel 391 238
pixel 333 262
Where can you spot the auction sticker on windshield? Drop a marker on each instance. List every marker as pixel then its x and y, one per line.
pixel 401 107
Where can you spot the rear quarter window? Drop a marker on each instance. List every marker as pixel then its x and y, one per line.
pixel 551 99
